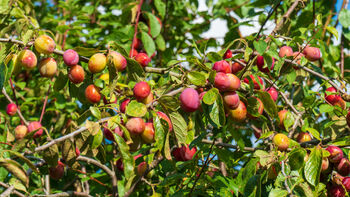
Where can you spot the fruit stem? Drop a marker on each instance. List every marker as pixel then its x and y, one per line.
pixel 45 102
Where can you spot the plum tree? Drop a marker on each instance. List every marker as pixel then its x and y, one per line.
pixel 184 112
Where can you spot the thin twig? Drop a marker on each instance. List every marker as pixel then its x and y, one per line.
pixel 15 97
pixel 285 16
pixel 268 17
pixel 45 102
pixel 7 192
pixel 285 180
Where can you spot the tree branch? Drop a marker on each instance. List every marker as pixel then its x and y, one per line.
pixel 285 16
pixel 228 145
pixel 7 192
pixel 2 184
pixel 105 168
pixel 65 194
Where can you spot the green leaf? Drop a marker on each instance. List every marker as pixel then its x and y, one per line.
pixel 148 43
pixel 134 69
pixel 215 112
pixel 214 57
pixel 333 31
pixel 95 112
pixel 159 132
pixel 86 51
pixel 289 120
pixel 16 170
pixel 344 18
pixel 160 42
pixel 27 161
pixel 160 6
pixel 136 109
pixel 61 81
pixel 269 105
pixel 169 102
pixel 167 147
pixel 197 78
pixel 276 192
pixel 210 97
pixel 17 13
pixel 154 24
pixel 128 160
pixel 296 158
pixel 312 169
pixel 51 155
pixel 326 108
pixel 253 187
pixel 97 139
pixel 180 126
pixel 314 133
pixel 260 46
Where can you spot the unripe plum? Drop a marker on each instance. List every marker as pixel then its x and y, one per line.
pixel 332 98
pixel 240 113
pixel 123 105
pixel 336 154
pixel 231 100
pixel 282 115
pixel 11 109
pixel 341 103
pixel 222 66
pixel 163 116
pixel 97 63
pixel 76 74
pixel 189 99
pixel 281 141
pixel 33 126
pixel 143 59
pixel 92 94
pixel 312 53
pixel 256 84
pixel 141 90
pixel 20 132
pixel 27 59
pixel 148 99
pixel 70 57
pixel 336 191
pixel 57 172
pixel 303 137
pixel 118 60
pixel 135 125
pixel 133 53
pixel 260 63
pixel 273 93
pixel 222 81
pixel 285 51
pixel 47 67
pixel 148 134
pixel 44 44
pixel 177 154
pixel 234 81
pixel 228 54
pixel 343 167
